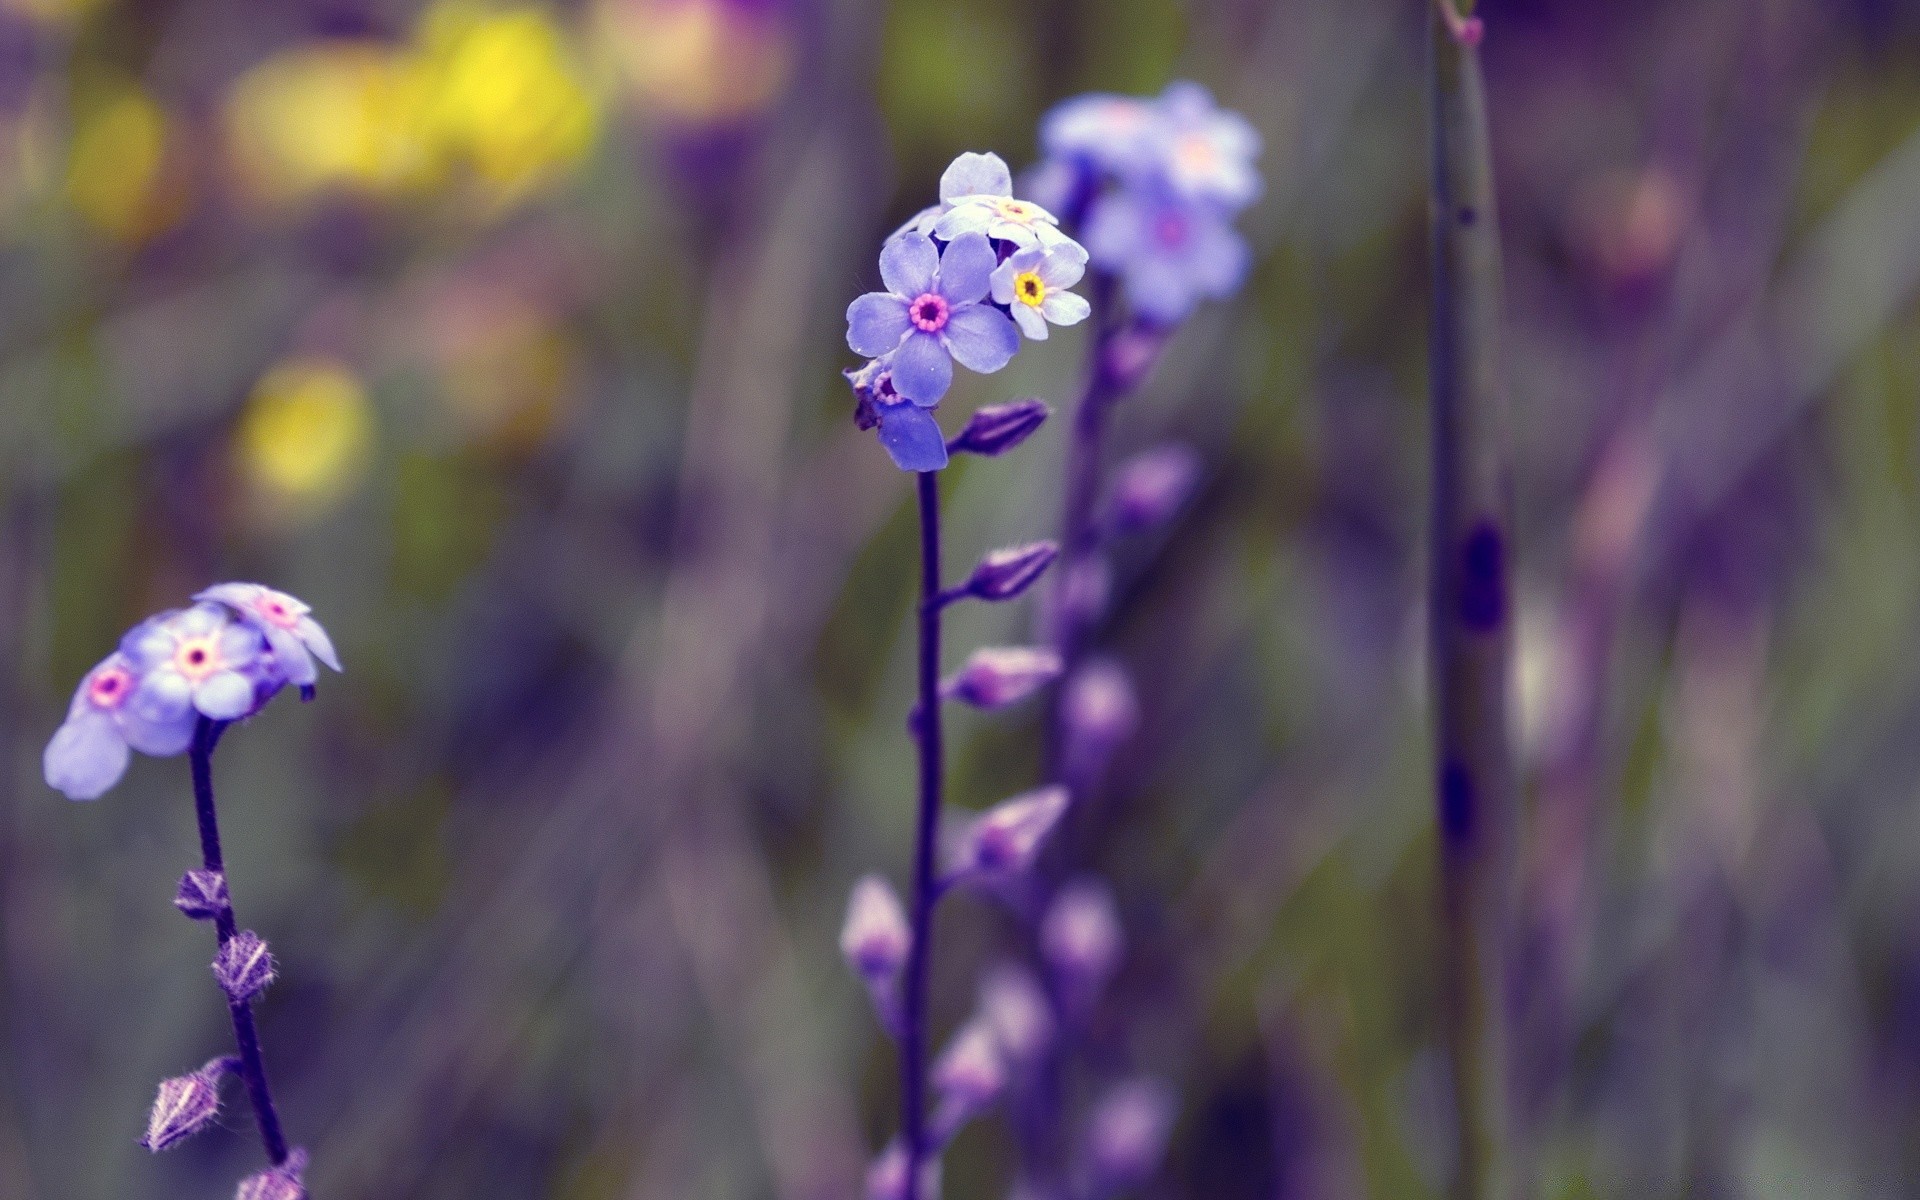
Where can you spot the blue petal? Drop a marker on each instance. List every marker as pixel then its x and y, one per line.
pixel 922 372
pixel 1219 258
pixel 875 323
pixel 315 638
pixel 981 338
pixel 966 268
pixel 224 696
pixel 907 264
pixel 290 656
pixel 85 757
pixel 974 174
pixel 912 438
pixel 158 718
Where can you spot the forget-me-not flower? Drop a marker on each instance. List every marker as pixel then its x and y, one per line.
pixel 1106 132
pixel 908 432
pixel 1206 152
pixel 1033 284
pixel 932 315
pixel 976 194
pixel 1171 252
pixel 88 753
pixel 201 660
pixel 287 623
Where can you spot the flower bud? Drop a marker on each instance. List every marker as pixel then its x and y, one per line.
pixel 998 428
pixel 997 676
pixel 1099 711
pixel 1017 1010
pixel 1004 574
pixel 887 1177
pixel 1081 939
pixel 1151 486
pixel 283 1182
pixel 1006 838
pixel 970 1074
pixel 185 1105
pixel 875 938
pixel 243 966
pixel 1129 356
pixel 1080 592
pixel 1127 1133
pixel 203 895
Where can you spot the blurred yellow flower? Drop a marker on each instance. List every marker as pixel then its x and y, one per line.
pixel 54 13
pixel 700 61
pixel 306 431
pixel 115 164
pixel 509 99
pixel 335 115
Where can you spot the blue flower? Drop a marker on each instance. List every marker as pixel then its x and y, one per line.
pixel 88 753
pixel 200 660
pixel 976 196
pixel 931 315
pixel 1033 284
pixel 1203 151
pixel 1171 252
pixel 908 432
pixel 1107 132
pixel 295 638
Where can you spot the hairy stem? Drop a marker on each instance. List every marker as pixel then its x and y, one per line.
pixel 253 1067
pixel 926 733
pixel 1471 608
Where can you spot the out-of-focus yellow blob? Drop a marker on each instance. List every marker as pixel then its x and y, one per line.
pixel 50 13
pixel 700 61
pixel 508 99
pixel 115 163
pixel 336 115
pixel 306 432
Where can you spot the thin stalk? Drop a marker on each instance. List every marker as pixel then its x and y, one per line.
pixel 926 734
pixel 1471 635
pixel 253 1067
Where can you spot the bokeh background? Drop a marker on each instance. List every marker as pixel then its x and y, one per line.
pixel 509 336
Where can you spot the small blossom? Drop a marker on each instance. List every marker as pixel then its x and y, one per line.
pixel 998 428
pixel 932 315
pixel 295 638
pixel 1152 485
pixel 1006 838
pixel 971 1073
pixel 1127 1133
pixel 997 676
pixel 1171 252
pixel 1016 1009
pixel 1033 284
pixel 907 432
pixel 203 895
pixel 1111 133
pixel 1005 574
pixel 243 966
pixel 283 1182
pixel 1098 710
pixel 200 660
pixel 887 1177
pixel 976 196
pixel 1081 939
pixel 875 938
pixel 184 1106
pixel 88 753
pixel 1205 152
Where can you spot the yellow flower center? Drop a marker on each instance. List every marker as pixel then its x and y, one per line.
pixel 1014 210
pixel 1028 288
pixel 1195 153
pixel 197 658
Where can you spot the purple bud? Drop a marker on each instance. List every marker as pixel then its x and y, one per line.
pixel 1099 711
pixel 887 1177
pixel 875 938
pixel 1004 574
pixel 185 1105
pixel 1080 591
pixel 971 1074
pixel 997 676
pixel 1081 939
pixel 1127 1133
pixel 1151 486
pixel 1129 356
pixel 243 966
pixel 998 428
pixel 1016 1009
pixel 1006 838
pixel 283 1182
pixel 203 895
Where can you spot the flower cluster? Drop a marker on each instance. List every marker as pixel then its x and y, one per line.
pixel 222 659
pixel 965 280
pixel 1154 184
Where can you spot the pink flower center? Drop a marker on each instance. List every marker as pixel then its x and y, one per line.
pixel 109 688
pixel 275 609
pixel 1170 229
pixel 928 312
pixel 197 658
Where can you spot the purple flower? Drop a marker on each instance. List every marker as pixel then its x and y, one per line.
pixel 1152 485
pixel 199 660
pixel 1006 838
pixel 1081 939
pixel 931 315
pixel 185 1105
pixel 887 1177
pixel 998 428
pixel 291 632
pixel 970 1074
pixel 907 432
pixel 1203 151
pixel 996 676
pixel 1005 574
pixel 1098 710
pixel 1127 1133
pixel 1016 1008
pixel 1033 284
pixel 88 753
pixel 1171 252
pixel 875 938
pixel 1110 133
pixel 976 196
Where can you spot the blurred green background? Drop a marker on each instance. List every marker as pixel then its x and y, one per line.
pixel 509 337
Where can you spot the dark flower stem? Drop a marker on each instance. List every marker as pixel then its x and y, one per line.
pixel 1476 797
pixel 253 1068
pixel 926 734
